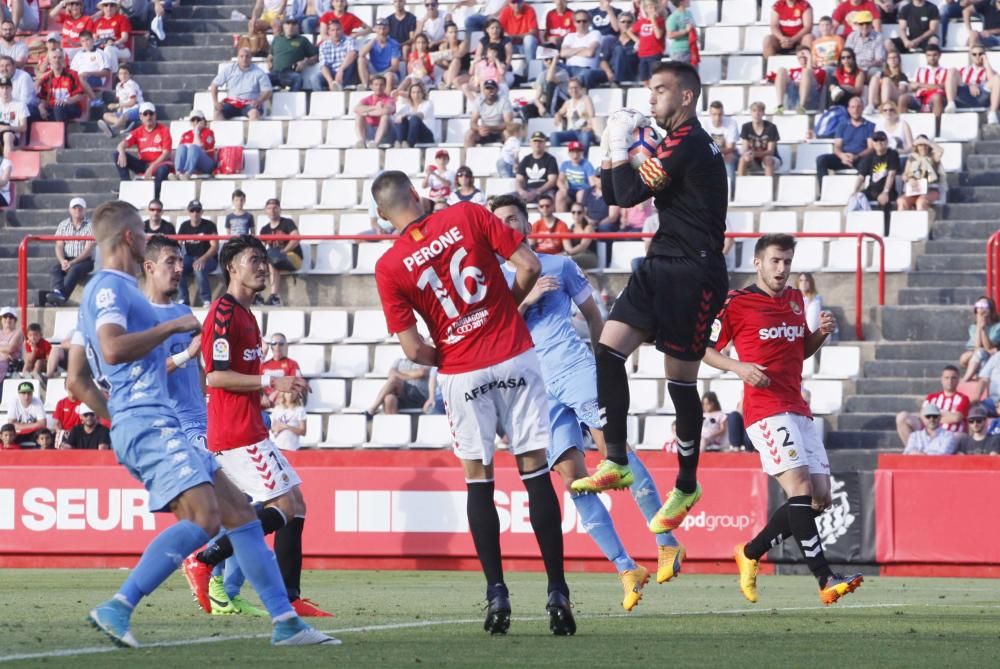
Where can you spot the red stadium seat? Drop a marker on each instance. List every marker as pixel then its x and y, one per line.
pixel 46 135
pixel 27 165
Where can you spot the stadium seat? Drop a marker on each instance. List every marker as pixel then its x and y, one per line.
pixel 839 362
pixel 656 432
pixel 298 194
pixel 354 224
pixel 705 12
pixel 498 186
pixel 622 254
pixel 791 127
pixel 744 255
pixel 390 431
pixel 334 257
pixel 455 129
pixel 136 193
pixel 326 104
pixel 348 361
pixel 644 394
pixel 447 104
pixel 341 133
pixel 369 327
pixel 753 191
pixel 264 135
pixel 778 221
pixel 326 326
pixel 865 221
pixel 952 160
pixel 541 124
pixel 649 363
pixel 925 123
pixel 326 395
pixel 363 393
pixel 482 160
pixel 316 224
pixel 229 133
pixel 433 431
pixel 258 192
pixel 26 165
pixel 309 357
pixel 339 194
pixel 281 163
pixel 960 127
pixel 733 98
pixel 842 256
pixel 385 358
pixel 706 371
pixel 406 161
pixel 55 390
pixel 304 134
pixel 837 189
pixel 721 40
pixel 729 392
pixel 898 256
pixel 345 431
pixel 710 69
pixel 215 195
pixel 287 105
pixel 314 431
pixel 361 162
pixel 821 221
pixel 809 367
pixel 762 93
pixel 827 397
pixel 321 163
pixel 753 37
pixel 806 154
pixel 606 100
pixel 795 190
pixel 368 255
pixel 913 226
pixel 739 221
pixel 809 255
pixel 46 135
pixel 745 69
pixel 175 195
pixel 289 322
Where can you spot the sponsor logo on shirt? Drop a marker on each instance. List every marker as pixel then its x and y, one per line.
pixel 503 384
pixel 220 350
pixel 456 331
pixel 105 298
pixel 783 331
pixel 251 354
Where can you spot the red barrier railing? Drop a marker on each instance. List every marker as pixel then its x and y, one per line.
pixel 22 256
pixel 993 267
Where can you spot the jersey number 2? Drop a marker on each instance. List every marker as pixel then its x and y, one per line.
pixel 459 278
pixel 788 437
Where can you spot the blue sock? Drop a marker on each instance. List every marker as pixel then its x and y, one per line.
pixel 219 569
pixel 161 558
pixel 261 568
pixel 597 522
pixel 234 578
pixel 647 497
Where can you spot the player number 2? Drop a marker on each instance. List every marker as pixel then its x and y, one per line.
pixel 459 279
pixel 787 439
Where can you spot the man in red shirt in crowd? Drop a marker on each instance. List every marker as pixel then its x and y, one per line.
pixel 351 24
pixel 954 407
pixel 279 365
pixel 843 16
pixel 519 21
pixel 70 14
pixel 36 350
pixel 112 32
pixel 444 266
pixel 62 96
pixel 153 144
pixel 791 25
pixel 558 23
pixel 548 223
pixel 766 323
pixel 231 350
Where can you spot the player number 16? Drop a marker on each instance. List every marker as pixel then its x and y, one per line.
pixel 459 279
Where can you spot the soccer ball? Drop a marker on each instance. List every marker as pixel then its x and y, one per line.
pixel 644 143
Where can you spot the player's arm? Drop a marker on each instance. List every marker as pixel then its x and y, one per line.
pixel 750 372
pixel 595 321
pixel 178 360
pixel 827 324
pixel 118 346
pixel 237 382
pixel 415 348
pixel 528 269
pixel 80 382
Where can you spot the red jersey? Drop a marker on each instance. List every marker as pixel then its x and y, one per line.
pixel 71 28
pixel 115 27
pixel 845 78
pixel 819 75
pixel 515 25
pixel 790 19
pixel 53 88
pixel 552 246
pixel 930 76
pixel 444 267
pixel 66 413
pixel 283 367
pixel 649 43
pixel 349 22
pixel 844 14
pixel 558 25
pixel 772 332
pixel 44 348
pixel 207 140
pixel 973 75
pixel 956 402
pixel 230 340
pixel 150 143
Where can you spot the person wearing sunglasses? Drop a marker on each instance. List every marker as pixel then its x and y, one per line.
pixel 974 85
pixel 978 441
pixel 581 51
pixel 156 224
pixel 465 188
pixel 848 80
pixel 196 151
pixel 953 406
pixel 153 146
pixel 279 364
pixel 932 439
pixel 432 24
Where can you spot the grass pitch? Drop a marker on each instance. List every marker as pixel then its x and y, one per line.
pixel 407 619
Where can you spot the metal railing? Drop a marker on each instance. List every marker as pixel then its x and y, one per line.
pixel 993 249
pixel 993 267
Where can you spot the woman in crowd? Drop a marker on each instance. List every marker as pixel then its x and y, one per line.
pixel 984 337
pixel 921 176
pixel 813 302
pixel 465 190
pixel 414 119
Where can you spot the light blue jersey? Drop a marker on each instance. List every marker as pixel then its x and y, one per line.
pixel 184 383
pixel 146 434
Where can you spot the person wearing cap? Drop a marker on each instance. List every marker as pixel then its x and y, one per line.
pixel 791 26
pixel 954 406
pixel 974 85
pixel 932 439
pixel 520 23
pixel 89 434
pixel 291 54
pixel 538 172
pixel 75 259
pixel 843 16
pixel 338 58
pixel 919 21
pixel 13 118
pixel 977 441
pixel 248 89
pixel 93 65
pixel 199 256
pixel 11 341
pixel 921 176
pixel 877 175
pixel 70 15
pixel 196 151
pixel 575 117
pixel 490 116
pixel 851 142
pixel 10 45
pixel 350 23
pixel 125 112
pixel 23 14
pixel 26 412
pixel 112 31
pixel 869 46
pixel 7 438
pixel 282 256
pixel 63 96
pixel 380 56
pixel 153 146
pixel 574 178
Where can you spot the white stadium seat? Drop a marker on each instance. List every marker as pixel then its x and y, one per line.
pixel 281 163
pixel 345 431
pixel 729 392
pixel 229 133
pixel 363 393
pixel 778 221
pixel 821 221
pixel 385 358
pixel 314 431
pixel 656 432
pixel 326 326
pixel 348 361
pixel 298 194
pixel 722 39
pixel 447 104
pixel 606 100
pixel 705 12
pixel 913 226
pixel 827 397
pixel 136 193
pixel 839 362
pixel 733 98
pixel 321 163
pixel 433 431
pixel 482 160
pixel 286 105
pixel 216 195
pixel 809 255
pixel 753 191
pixel 304 134
pixel 898 256
pixel 748 69
pixel 739 221
pixel 649 363
pixel 842 256
pixel 316 224
pixel 333 258
pixel 791 128
pixel 55 390
pixel 340 133
pixel 836 190
pixel 796 190
pixel 326 396
pixel 175 195
pixel 644 395
pixel 258 192
pixel 406 161
pixel 309 357
pixel 339 194
pixel 289 322
pixel 960 127
pixel 806 154
pixel 264 135
pixel 865 221
pixel 390 431
pixel 622 254
pixel 369 327
pixel 361 162
pixel 368 255
pixel 326 104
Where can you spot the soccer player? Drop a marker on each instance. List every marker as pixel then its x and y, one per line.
pixel 766 323
pixel 121 338
pixel 443 266
pixel 673 296
pixel 231 350
pixel 570 379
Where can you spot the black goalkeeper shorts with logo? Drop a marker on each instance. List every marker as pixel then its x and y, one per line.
pixel 676 300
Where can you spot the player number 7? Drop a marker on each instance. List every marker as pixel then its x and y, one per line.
pixel 459 279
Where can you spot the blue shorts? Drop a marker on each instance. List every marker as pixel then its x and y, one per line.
pixel 155 450
pixel 572 407
pixel 989 41
pixel 195 433
pixel 964 99
pixel 792 97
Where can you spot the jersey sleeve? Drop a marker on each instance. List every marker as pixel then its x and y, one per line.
pixel 575 283
pixel 503 240
pixel 216 338
pixel 110 307
pixel 723 327
pixel 397 309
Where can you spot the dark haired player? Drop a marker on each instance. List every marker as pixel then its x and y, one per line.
pixel 766 322
pixel 444 267
pixel 677 290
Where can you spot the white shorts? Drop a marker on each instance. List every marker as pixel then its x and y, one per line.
pixel 787 441
pixel 261 470
pixel 509 395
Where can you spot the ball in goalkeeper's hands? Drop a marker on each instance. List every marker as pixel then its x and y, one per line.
pixel 643 146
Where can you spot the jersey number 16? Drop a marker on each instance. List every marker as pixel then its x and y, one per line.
pixel 459 278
